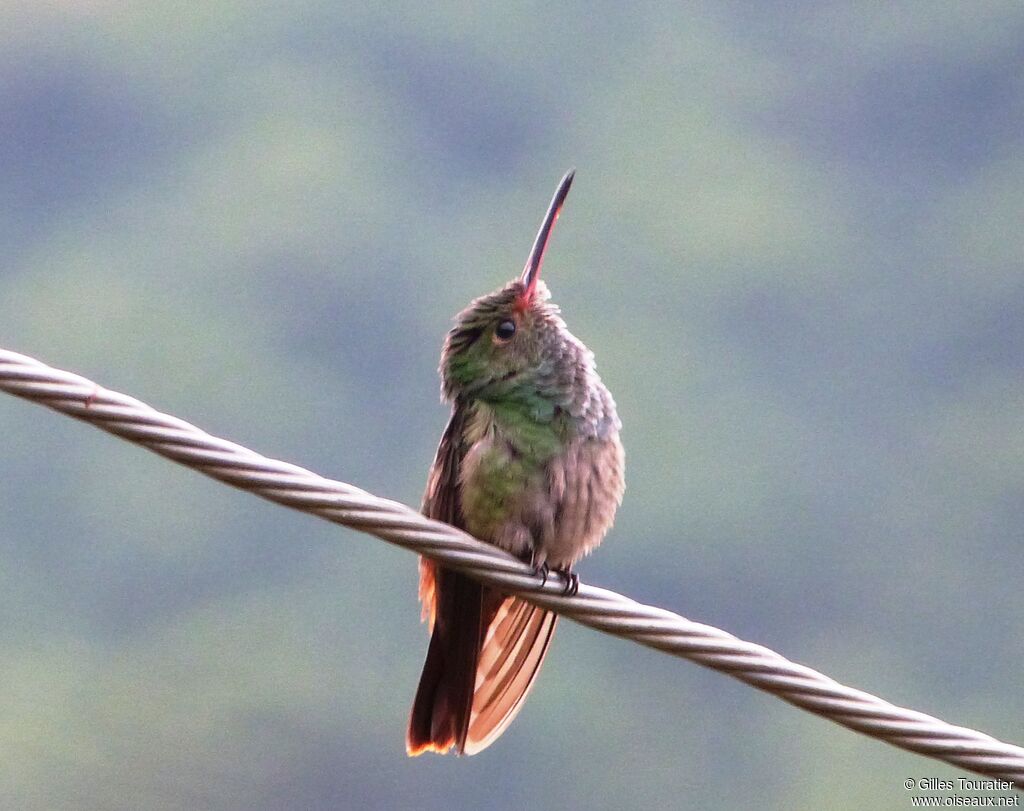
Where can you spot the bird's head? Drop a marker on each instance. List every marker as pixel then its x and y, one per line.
pixel 512 344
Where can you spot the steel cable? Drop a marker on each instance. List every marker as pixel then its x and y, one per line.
pixel 597 608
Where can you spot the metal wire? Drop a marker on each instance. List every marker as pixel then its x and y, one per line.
pixel 597 608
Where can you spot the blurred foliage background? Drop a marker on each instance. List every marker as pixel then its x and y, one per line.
pixel 794 244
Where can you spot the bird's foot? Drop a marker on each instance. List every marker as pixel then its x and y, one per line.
pixel 541 570
pixel 571 582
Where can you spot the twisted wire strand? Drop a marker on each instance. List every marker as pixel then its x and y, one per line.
pixel 597 608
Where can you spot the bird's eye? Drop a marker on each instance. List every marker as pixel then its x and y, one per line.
pixel 505 330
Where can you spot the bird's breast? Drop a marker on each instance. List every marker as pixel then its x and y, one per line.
pixel 499 476
pixel 535 493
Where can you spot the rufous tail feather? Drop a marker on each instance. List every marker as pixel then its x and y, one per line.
pixel 484 655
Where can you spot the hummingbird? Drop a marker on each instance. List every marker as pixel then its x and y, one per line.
pixel 531 462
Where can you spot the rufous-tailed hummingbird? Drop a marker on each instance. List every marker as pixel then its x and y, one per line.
pixel 531 462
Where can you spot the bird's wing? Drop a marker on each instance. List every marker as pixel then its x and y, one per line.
pixel 441 499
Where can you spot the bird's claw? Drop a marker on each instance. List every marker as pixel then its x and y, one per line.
pixel 572 582
pixel 542 572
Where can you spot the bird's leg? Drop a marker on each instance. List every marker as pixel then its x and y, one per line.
pixel 541 569
pixel 572 581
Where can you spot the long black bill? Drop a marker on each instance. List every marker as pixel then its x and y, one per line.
pixel 532 270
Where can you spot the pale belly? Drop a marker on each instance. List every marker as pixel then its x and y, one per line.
pixel 553 511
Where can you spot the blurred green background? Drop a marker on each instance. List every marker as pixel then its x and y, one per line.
pixel 794 244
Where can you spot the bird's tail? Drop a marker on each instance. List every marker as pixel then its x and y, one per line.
pixel 485 652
